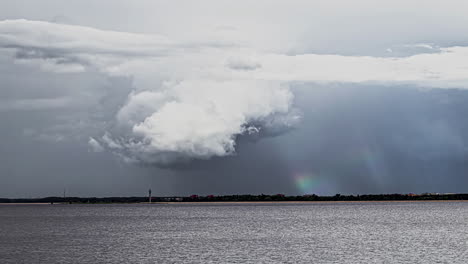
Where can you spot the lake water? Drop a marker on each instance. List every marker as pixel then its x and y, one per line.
pixel 369 232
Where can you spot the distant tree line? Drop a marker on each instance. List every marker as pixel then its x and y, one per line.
pixel 242 198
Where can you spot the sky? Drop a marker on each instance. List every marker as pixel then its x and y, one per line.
pixel 113 97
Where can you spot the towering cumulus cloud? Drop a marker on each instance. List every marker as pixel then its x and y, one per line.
pixel 192 99
pixel 196 118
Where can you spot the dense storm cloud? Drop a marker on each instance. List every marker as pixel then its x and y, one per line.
pixel 230 94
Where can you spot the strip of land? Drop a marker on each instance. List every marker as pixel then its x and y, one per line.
pixel 247 198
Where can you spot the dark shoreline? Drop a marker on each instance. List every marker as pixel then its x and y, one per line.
pixel 240 198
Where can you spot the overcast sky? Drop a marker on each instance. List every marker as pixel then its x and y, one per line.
pixel 110 98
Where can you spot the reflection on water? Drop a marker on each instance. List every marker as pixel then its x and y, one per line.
pixel 412 232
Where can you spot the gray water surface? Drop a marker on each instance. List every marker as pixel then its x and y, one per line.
pixel 370 232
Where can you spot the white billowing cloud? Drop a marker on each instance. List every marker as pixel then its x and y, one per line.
pixel 198 118
pixel 193 99
pixel 139 106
